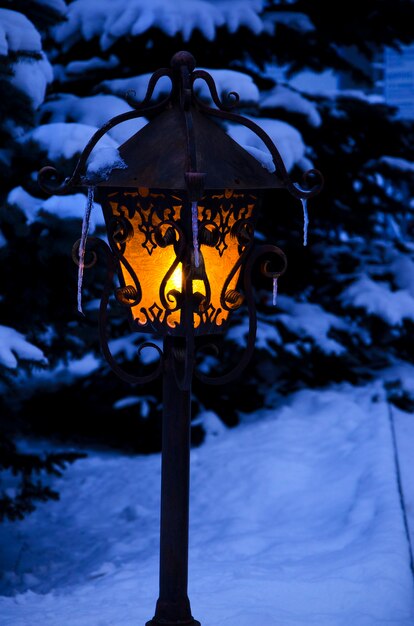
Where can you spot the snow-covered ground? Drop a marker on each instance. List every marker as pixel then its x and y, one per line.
pixel 296 519
pixel 404 440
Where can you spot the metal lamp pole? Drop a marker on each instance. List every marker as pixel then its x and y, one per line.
pixel 173 605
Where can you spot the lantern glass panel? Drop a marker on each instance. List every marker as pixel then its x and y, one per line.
pixel 151 235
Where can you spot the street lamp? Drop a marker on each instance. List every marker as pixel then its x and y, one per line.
pixel 180 216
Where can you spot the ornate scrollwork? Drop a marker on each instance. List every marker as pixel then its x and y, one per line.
pixel 130 93
pixel 266 267
pixel 75 256
pixel 94 243
pixel 255 254
pixel 121 231
pixel 232 97
pixel 156 220
pixel 52 181
pixel 128 296
pixel 226 214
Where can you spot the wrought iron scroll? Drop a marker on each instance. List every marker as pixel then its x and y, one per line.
pixel 257 252
pixel 157 224
pixel 95 242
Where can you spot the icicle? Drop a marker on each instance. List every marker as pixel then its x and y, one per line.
pixel 274 291
pixel 194 225
pixel 82 245
pixel 305 220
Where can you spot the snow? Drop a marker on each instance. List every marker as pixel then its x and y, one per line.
pixel 143 404
pixel 65 207
pixel 266 335
pixel 17 34
pixel 127 347
pixel 402 267
pixel 294 20
pixel 376 298
pixel 404 434
pixel 63 373
pixel 401 374
pixel 58 5
pixel 79 69
pixel 18 37
pixel 111 20
pixel 102 161
pixel 370 98
pixel 308 321
pixel 14 346
pixel 397 163
pixel 212 425
pixel 286 138
pixel 285 98
pixel 295 520
pixel 227 81
pixel 138 84
pixel 32 77
pixel 93 111
pixel 63 140
pixel 311 322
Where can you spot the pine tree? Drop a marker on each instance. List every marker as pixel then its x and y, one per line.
pixel 24 75
pixel 332 323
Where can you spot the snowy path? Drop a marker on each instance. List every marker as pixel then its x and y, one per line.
pixel 295 521
pixel 404 435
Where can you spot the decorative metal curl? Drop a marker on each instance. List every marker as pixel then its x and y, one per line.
pixel 252 317
pixel 265 268
pixel 150 89
pixel 179 250
pixel 117 252
pixel 208 233
pixel 103 319
pixel 228 299
pixel 75 255
pixel 243 231
pixel 52 181
pixel 128 296
pixel 209 80
pixel 150 344
pixel 121 230
pixel 49 176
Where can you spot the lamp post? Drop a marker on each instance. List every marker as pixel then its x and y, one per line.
pixel 180 216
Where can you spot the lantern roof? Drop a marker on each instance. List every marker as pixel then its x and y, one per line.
pixel 157 156
pixel 181 147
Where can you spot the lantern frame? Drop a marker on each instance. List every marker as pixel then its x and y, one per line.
pixel 206 160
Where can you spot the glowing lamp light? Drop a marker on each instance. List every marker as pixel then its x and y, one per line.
pixel 159 276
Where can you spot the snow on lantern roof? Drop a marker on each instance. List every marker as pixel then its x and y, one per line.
pixel 181 147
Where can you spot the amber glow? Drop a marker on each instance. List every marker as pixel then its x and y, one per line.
pixel 199 287
pixel 219 260
pixel 176 279
pixel 145 220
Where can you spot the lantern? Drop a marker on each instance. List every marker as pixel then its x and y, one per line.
pixel 180 215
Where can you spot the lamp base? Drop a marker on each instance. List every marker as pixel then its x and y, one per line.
pixel 156 622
